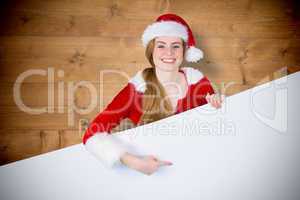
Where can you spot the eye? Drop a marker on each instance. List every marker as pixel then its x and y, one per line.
pixel 176 46
pixel 160 46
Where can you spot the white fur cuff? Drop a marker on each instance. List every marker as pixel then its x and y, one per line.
pixel 106 148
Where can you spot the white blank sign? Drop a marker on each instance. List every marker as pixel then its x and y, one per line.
pixel 249 149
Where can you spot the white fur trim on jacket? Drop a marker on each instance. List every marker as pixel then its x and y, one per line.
pixel 105 148
pixel 192 75
pixel 164 28
pixel 138 82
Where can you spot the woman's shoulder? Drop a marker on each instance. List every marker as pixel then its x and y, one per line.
pixel 138 82
pixel 192 75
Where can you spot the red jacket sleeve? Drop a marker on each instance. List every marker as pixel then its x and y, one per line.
pixel 117 110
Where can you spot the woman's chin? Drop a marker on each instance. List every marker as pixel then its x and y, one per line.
pixel 168 67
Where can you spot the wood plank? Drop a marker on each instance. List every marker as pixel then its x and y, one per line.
pixel 69 137
pixel 124 8
pixel 44 24
pixel 72 49
pixel 213 10
pixel 32 23
pixel 84 50
pixel 69 7
pixel 220 49
pixel 226 71
pixel 229 89
pixel 271 10
pixel 90 71
pixel 225 9
pixel 255 72
pixel 101 93
pixel 237 18
pixel 271 49
pixel 281 50
pixel 14 143
pixel 13 117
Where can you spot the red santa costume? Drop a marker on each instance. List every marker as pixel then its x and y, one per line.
pixel 128 103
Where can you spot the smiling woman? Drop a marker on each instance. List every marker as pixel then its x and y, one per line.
pixel 165 89
pixel 168 53
pixel 165 55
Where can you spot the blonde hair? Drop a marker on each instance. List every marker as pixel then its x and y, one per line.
pixel 155 105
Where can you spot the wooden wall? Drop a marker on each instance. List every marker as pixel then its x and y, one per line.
pixel 244 42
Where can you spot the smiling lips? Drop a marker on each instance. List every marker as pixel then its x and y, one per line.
pixel 168 60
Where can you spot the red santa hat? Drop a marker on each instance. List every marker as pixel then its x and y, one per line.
pixel 173 25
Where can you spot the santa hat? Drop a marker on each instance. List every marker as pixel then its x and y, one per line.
pixel 173 25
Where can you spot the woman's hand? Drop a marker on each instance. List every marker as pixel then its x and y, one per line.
pixel 215 100
pixel 146 164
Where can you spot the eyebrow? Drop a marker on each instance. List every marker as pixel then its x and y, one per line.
pixel 172 42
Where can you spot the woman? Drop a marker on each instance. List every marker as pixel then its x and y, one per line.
pixel 154 93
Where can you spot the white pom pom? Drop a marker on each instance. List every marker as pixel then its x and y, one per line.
pixel 193 54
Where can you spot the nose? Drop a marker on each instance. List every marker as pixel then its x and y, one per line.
pixel 169 51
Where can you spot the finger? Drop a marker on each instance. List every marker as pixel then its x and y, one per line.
pixel 164 163
pixel 214 101
pixel 211 99
pixel 153 158
pixel 217 97
pixel 218 101
pixel 207 97
pixel 218 104
pixel 222 97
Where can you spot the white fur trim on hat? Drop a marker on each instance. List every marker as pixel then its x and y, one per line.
pixel 106 148
pixel 164 28
pixel 193 54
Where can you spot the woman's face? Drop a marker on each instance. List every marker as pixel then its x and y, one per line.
pixel 168 53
